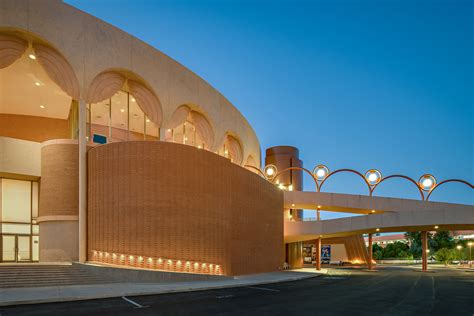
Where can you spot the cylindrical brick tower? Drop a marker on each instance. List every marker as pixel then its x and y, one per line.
pixel 284 157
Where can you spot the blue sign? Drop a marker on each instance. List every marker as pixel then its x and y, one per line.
pixel 326 253
pixel 99 139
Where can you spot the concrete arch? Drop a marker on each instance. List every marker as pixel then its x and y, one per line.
pixel 92 46
pixel 196 116
pixel 109 82
pixel 14 43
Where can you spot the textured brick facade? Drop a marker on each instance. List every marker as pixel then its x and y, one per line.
pixel 166 200
pixel 59 189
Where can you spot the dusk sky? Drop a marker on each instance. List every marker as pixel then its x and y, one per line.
pixel 352 84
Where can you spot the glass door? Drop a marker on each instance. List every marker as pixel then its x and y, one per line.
pixel 8 248
pixel 16 248
pixel 23 248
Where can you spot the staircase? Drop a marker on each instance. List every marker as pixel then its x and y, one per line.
pixel 35 275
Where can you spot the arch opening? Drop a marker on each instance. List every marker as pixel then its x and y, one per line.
pixel 38 91
pixel 120 108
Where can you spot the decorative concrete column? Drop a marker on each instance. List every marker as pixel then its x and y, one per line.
pixel 424 251
pixel 82 126
pixel 318 253
pixel 369 263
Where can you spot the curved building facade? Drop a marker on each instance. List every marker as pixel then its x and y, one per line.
pixel 115 153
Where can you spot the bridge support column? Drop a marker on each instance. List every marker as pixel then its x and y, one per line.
pixel 424 251
pixel 318 254
pixel 369 263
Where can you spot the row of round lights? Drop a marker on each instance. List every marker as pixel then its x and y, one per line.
pixel 165 264
pixel 373 176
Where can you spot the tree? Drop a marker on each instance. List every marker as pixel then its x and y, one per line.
pixel 445 255
pixel 414 239
pixel 442 239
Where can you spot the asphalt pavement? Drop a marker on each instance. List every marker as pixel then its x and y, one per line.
pixel 390 291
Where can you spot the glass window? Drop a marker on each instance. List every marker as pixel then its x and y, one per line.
pixel 136 120
pixel 100 118
pixel 119 118
pixel 152 130
pixel 16 201
pixel 16 229
pixel 35 248
pixel 34 202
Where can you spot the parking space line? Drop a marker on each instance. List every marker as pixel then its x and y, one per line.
pixel 133 302
pixel 262 288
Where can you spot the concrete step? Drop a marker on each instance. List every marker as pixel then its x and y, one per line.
pixel 46 275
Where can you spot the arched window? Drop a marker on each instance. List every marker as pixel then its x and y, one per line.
pixel 120 110
pixel 190 128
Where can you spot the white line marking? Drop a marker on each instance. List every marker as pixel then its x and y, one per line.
pixel 262 288
pixel 132 302
pixel 225 296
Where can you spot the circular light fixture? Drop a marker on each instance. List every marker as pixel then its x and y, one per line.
pixel 378 229
pixel 436 227
pixel 320 172
pixel 270 171
pixel 32 56
pixel 427 182
pixel 42 106
pixel 373 176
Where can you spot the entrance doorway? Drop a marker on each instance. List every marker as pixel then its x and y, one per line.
pixel 16 248
pixel 19 230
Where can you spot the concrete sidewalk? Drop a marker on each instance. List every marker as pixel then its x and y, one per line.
pixel 35 295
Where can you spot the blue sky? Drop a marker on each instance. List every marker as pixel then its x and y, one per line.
pixel 352 84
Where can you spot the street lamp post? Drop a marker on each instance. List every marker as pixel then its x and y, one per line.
pixel 470 254
pixel 459 247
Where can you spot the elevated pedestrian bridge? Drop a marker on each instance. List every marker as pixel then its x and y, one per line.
pixel 376 215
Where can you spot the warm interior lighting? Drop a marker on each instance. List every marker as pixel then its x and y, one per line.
pixel 378 229
pixel 37 84
pixel 42 106
pixel 281 186
pixel 32 56
pixel 436 227
pixel 148 120
pixel 122 110
pixel 293 204
pixel 133 99
pixel 373 211
pixel 168 130
pixel 290 187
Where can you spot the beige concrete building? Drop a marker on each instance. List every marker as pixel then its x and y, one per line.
pixel 111 152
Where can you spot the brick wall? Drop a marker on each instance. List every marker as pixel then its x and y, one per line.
pixel 166 200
